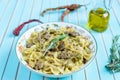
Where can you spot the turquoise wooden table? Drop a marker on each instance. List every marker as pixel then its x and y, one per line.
pixel 14 12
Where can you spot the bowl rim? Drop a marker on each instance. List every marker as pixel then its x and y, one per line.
pixel 59 75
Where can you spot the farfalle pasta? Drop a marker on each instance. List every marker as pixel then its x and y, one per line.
pixel 68 54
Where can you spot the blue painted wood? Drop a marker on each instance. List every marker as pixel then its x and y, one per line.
pixel 3 8
pixel 9 38
pixel 62 3
pixel 105 39
pixel 101 54
pixel 11 66
pixel 14 64
pixel 35 13
pixel 23 73
pixel 53 17
pixel 102 57
pixel 20 13
pixel 66 78
pixel 54 14
pixel 45 5
pixel 73 18
pixel 115 24
pixel 47 78
pixel 92 67
pixel 0 1
pixel 5 22
pixel 60 12
pixel 32 10
pixel 35 76
pixel 116 7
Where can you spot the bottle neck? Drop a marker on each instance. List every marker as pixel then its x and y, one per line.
pixel 100 4
pixel 106 4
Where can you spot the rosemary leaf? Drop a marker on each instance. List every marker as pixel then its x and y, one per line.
pixel 114 59
pixel 54 42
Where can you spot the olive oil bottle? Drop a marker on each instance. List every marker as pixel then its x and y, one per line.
pixel 98 19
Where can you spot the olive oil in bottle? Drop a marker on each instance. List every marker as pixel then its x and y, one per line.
pixel 98 19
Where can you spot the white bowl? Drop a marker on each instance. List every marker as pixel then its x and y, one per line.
pixel 54 25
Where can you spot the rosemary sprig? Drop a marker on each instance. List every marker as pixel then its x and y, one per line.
pixel 114 59
pixel 54 42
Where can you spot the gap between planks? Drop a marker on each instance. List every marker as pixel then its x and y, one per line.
pixel 27 29
pixel 11 45
pixel 4 9
pixel 8 24
pixel 12 41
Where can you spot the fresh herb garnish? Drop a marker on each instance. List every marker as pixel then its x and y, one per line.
pixel 56 25
pixel 54 42
pixel 114 60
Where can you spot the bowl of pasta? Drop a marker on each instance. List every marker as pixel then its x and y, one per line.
pixel 56 49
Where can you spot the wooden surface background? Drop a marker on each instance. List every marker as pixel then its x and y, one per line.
pixel 14 12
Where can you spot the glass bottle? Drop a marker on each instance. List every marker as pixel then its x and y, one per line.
pixel 99 17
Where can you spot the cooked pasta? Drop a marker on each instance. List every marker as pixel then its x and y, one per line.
pixel 67 55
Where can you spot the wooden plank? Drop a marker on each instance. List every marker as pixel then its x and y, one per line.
pixel 104 39
pixel 10 66
pixel 8 56
pixel 22 72
pixel 102 57
pixel 36 12
pixel 115 8
pixel 73 18
pixel 118 1
pixel 115 23
pixel 5 22
pixel 101 53
pixel 53 17
pixel 60 12
pixel 80 21
pixel 62 3
pixel 36 15
pixel 93 66
pixel 45 5
pixel 22 69
pixel 0 1
pixel 9 39
pixel 35 76
pixel 47 78
pixel 66 78
pixel 107 41
pixel 3 5
pixel 54 14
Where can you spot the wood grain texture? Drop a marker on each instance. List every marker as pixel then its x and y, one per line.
pixel 14 12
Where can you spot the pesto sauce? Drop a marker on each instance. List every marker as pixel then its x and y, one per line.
pixel 98 20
